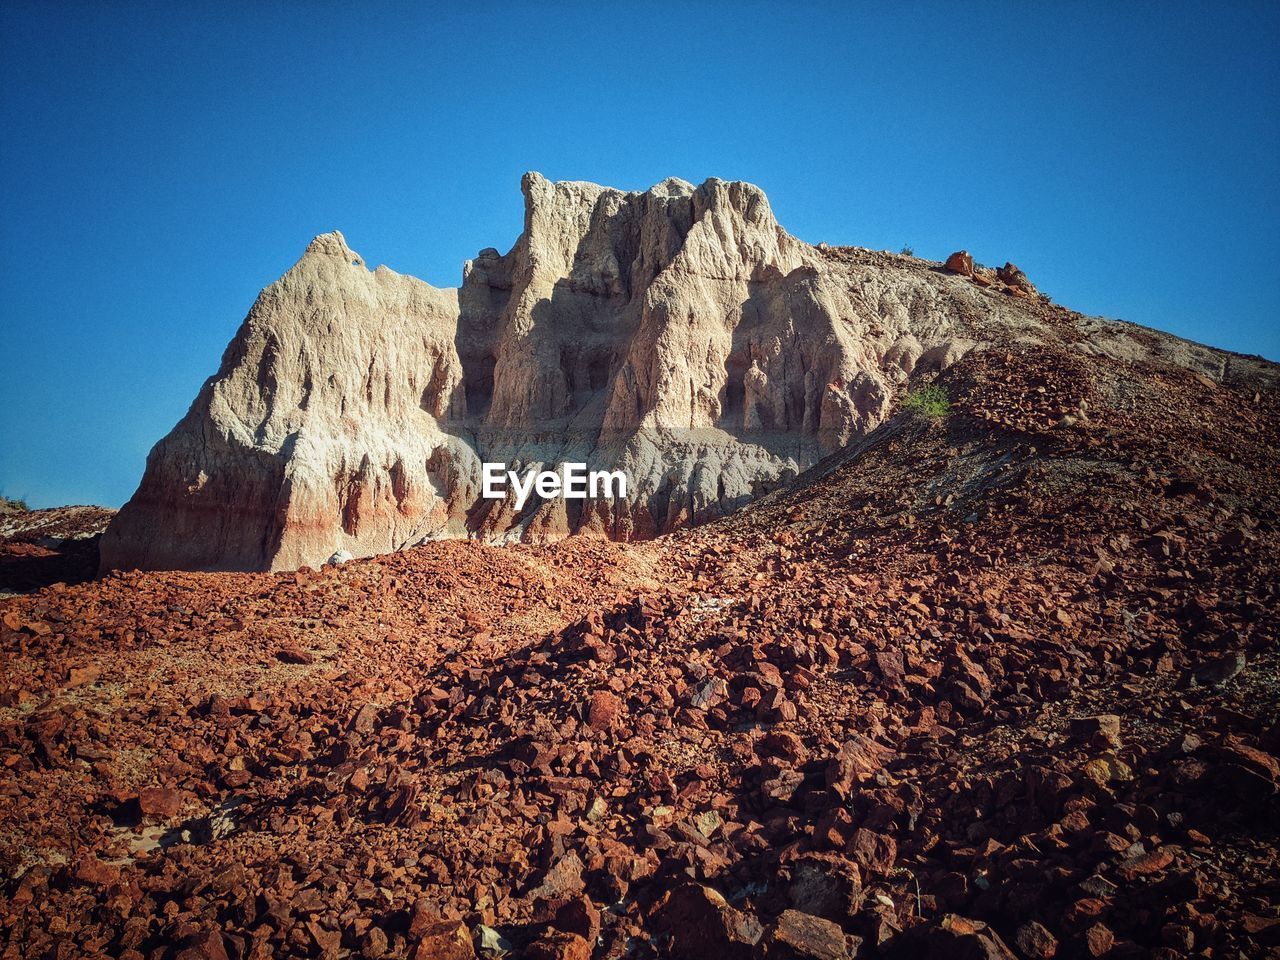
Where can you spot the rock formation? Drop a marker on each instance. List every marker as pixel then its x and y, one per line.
pixel 679 334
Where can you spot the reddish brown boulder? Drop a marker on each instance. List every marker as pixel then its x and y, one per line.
pixel 207 945
pixel 699 924
pixel 159 802
pixel 951 938
pixel 800 936
pixel 874 852
pixel 960 262
pixel 1144 864
pixel 1035 941
pixel 825 885
pixel 579 916
pixel 558 945
pixel 604 710
pixel 1102 730
pixel 783 745
pixel 1234 750
pixel 1014 277
pixel 1098 940
pixel 443 940
pixel 562 882
pixel 93 871
pixel 374 944
pixel 857 760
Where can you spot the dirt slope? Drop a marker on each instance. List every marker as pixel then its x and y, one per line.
pixel 998 684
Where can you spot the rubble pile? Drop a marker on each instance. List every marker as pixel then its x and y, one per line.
pixel 996 684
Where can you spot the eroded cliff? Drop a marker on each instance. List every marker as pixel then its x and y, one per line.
pixel 679 334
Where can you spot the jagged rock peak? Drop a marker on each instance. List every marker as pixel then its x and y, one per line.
pixel 677 334
pixel 334 244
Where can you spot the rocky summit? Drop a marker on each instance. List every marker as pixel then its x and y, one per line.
pixel 678 335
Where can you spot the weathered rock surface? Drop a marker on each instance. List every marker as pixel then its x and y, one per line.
pixel 678 334
pixel 56 545
pixel 990 685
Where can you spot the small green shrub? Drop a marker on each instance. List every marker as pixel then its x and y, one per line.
pixel 13 505
pixel 907 251
pixel 930 401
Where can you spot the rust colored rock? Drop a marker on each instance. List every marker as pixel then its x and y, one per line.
pixel 374 944
pixel 1035 941
pixel 1100 730
pixel 784 745
pixel 78 676
pixel 960 262
pixel 889 663
pixel 699 923
pixel 1179 937
pixel 443 940
pixel 1234 750
pixel 558 945
pixel 874 852
pixel 207 945
pixel 1145 864
pixel 1098 940
pixel 856 761
pixel 159 802
pixel 605 709
pixel 800 936
pixel 93 871
pixel 825 885
pixel 579 916
pixel 952 937
pixel 562 882
pixel 1014 277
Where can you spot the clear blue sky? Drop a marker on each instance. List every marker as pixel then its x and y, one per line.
pixel 163 162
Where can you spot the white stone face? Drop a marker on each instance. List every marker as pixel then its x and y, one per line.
pixel 678 337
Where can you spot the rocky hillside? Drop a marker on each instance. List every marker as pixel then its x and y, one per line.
pixel 678 334
pixel 40 547
pixel 996 681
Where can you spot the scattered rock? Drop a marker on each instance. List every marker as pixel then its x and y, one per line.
pixel 558 945
pixel 604 710
pixel 1014 277
pixel 160 802
pixel 960 262
pixel 1098 940
pixel 443 940
pixel 800 936
pixel 1036 942
pixel 951 937
pixel 698 922
pixel 1101 730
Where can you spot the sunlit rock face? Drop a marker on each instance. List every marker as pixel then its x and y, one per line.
pixel 678 334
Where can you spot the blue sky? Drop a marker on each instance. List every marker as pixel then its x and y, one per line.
pixel 162 163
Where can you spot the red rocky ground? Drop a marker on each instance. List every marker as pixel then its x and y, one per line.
pixel 1000 684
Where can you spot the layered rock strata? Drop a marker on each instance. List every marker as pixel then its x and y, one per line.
pixel 678 334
